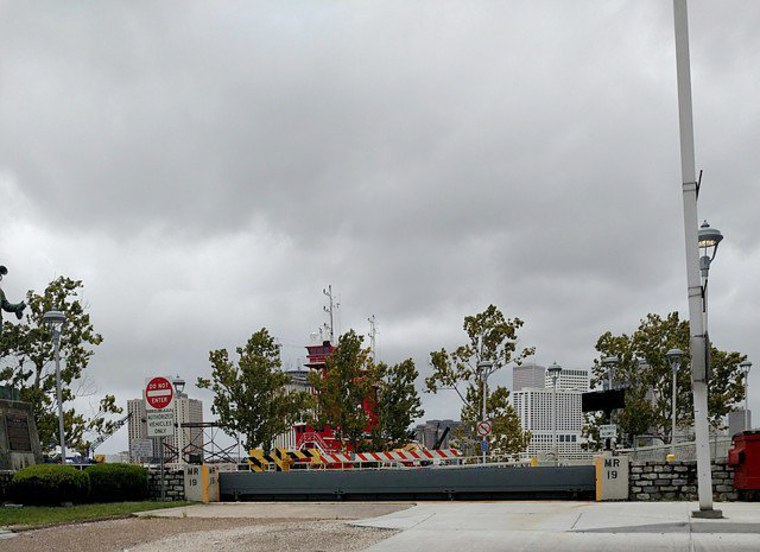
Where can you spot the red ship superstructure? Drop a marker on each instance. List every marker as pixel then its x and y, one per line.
pixel 307 436
pixel 317 354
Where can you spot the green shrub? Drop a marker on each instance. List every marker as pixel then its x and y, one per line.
pixel 118 482
pixel 49 484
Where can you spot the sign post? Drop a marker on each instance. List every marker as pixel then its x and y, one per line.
pixel 484 429
pixel 159 398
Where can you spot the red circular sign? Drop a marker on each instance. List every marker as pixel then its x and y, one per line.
pixel 159 393
pixel 484 428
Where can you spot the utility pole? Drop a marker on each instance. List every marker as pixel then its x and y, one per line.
pixel 330 309
pixel 372 335
pixel 690 186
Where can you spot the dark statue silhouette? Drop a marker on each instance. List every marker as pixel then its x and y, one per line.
pixel 5 305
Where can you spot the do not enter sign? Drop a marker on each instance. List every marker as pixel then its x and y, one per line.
pixel 484 428
pixel 159 393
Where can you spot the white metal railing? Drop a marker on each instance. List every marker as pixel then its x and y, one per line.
pixel 683 451
pixel 500 461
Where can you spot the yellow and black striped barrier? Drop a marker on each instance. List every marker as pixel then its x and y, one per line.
pixel 309 456
pixel 282 459
pixel 257 460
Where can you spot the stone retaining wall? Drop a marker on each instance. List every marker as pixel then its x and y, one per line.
pixel 650 481
pixel 175 484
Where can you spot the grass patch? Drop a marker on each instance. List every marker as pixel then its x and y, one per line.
pixel 42 516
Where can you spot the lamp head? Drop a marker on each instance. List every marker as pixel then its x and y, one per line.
pixel 611 360
pixel 674 358
pixel 54 319
pixel 554 369
pixel 708 239
pixel 179 384
pixel 745 365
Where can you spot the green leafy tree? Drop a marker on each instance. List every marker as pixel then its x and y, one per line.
pixel 27 353
pixel 343 389
pixel 398 404
pixel 250 396
pixel 492 339
pixel 507 437
pixel 645 371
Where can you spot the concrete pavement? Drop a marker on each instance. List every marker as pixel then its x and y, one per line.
pixel 562 526
pixel 282 510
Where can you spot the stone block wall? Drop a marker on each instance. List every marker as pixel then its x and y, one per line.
pixel 651 481
pixel 175 484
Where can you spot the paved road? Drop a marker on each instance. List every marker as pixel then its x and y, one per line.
pixel 563 526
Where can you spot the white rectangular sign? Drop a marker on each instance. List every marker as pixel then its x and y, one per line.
pixel 160 423
pixel 608 431
pixel 141 448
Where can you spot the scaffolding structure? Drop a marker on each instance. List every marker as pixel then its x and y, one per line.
pixel 203 447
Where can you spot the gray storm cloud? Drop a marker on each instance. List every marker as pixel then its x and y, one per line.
pixel 208 169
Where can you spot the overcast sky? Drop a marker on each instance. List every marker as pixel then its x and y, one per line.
pixel 208 168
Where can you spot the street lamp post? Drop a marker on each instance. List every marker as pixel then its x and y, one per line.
pixel 54 320
pixel 690 189
pixel 610 362
pixel 179 387
pixel 709 238
pixel 745 366
pixel 485 367
pixel 554 371
pixel 674 357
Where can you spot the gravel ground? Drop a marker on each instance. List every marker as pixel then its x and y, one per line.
pixel 198 535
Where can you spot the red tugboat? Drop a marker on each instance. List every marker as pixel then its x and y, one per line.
pixel 325 439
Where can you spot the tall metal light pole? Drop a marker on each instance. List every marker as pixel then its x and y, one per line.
pixel 745 366
pixel 485 367
pixel 674 358
pixel 54 320
pixel 690 188
pixel 554 371
pixel 610 362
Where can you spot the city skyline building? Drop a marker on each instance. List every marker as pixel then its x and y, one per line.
pixel 137 428
pixel 534 408
pixel 529 375
pixel 570 379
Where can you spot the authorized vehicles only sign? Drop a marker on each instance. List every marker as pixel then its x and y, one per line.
pixel 159 402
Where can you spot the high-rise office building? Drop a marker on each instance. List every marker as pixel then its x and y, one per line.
pixel 188 441
pixel 569 379
pixel 137 429
pixel 528 376
pixel 534 408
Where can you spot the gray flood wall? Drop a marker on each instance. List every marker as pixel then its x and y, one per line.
pixel 466 483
